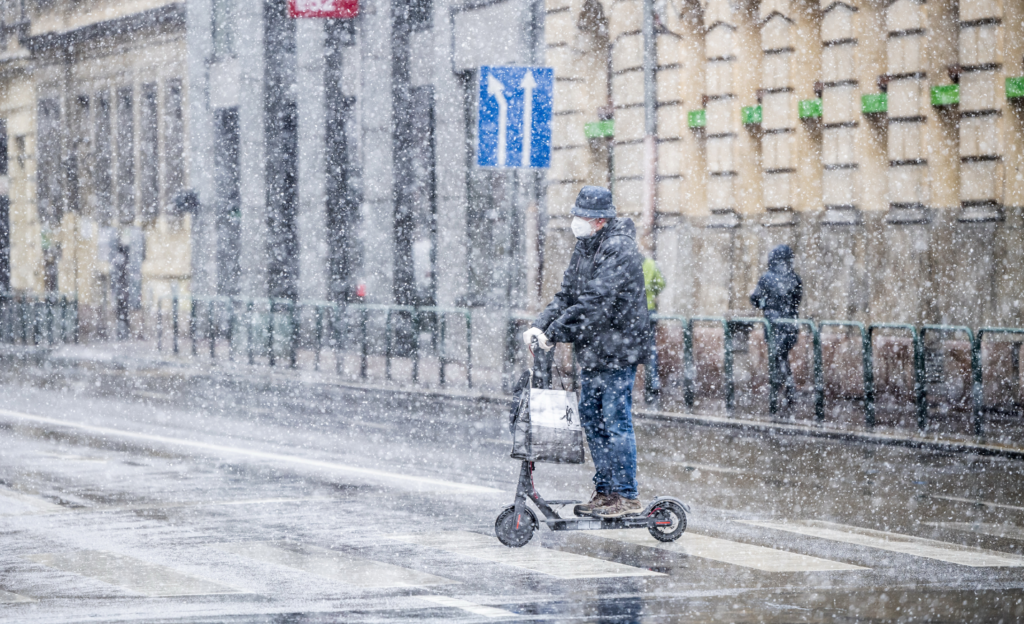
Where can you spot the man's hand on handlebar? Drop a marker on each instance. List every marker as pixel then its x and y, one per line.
pixel 535 333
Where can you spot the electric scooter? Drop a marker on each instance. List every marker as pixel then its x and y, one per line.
pixel 664 517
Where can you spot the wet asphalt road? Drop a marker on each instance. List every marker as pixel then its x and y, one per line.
pixel 186 500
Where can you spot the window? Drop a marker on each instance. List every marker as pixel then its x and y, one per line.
pixel 223 29
pixel 149 153
pixel 3 147
pixel 125 156
pixel 174 140
pixel 102 181
pixel 49 191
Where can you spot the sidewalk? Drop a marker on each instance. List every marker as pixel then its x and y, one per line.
pixel 140 359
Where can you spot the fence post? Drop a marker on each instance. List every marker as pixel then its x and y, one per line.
pixel 4 315
pixel 819 374
pixel 36 330
pixel 730 386
pixel 23 305
pixel 48 305
pixel 192 324
pixel 336 319
pixel 295 322
pixel 469 349
pixel 174 323
pixel 977 385
pixel 250 321
pixel 63 319
pixel 159 325
pixel 920 398
pixel 416 345
pixel 62 323
pixel 508 361
pixel 869 377
pixel 318 312
pixel 231 329
pixel 364 354
pixel 689 368
pixel 211 330
pixel 271 354
pixel 387 345
pixel 442 357
pixel 773 372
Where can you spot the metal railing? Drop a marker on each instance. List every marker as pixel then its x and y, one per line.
pixel 275 332
pixel 867 335
pixel 31 320
pixel 276 329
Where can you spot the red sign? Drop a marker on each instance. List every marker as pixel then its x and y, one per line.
pixel 331 9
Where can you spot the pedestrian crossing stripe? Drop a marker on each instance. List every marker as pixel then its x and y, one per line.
pixel 734 553
pixel 8 597
pixel 17 504
pixel 131 574
pixel 995 530
pixel 471 607
pixel 334 565
pixel 972 501
pixel 535 558
pixel 898 543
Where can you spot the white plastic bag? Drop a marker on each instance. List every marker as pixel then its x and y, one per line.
pixel 548 428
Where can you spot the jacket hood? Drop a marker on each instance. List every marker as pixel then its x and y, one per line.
pixel 781 257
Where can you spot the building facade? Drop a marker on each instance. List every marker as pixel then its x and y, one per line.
pixel 221 148
pixel 883 141
pixel 333 158
pixel 92 108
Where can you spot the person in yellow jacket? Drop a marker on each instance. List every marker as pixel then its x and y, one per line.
pixel 654 283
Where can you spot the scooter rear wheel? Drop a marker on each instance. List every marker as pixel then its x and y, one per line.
pixel 512 533
pixel 666 522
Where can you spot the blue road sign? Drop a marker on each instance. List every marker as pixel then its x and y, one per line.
pixel 514 115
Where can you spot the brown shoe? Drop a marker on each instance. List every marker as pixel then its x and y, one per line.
pixel 599 499
pixel 618 507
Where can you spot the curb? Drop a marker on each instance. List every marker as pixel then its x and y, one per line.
pixel 276 376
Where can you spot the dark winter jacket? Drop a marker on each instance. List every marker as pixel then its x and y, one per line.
pixel 780 290
pixel 602 306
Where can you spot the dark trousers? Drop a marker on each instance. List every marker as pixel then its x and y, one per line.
pixel 785 339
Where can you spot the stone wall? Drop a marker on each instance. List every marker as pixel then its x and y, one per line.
pixel 831 126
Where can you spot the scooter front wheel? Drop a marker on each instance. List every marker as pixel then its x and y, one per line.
pixel 512 531
pixel 666 522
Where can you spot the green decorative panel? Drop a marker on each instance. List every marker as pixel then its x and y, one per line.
pixel 751 115
pixel 810 109
pixel 874 103
pixel 697 118
pixel 600 129
pixel 1015 88
pixel 946 95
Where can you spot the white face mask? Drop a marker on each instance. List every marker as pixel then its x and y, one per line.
pixel 581 228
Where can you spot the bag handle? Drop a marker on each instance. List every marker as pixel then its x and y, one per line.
pixel 556 367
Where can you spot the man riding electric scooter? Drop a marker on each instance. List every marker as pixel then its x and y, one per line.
pixel 602 309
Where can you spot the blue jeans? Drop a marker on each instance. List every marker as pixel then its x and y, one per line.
pixel 606 411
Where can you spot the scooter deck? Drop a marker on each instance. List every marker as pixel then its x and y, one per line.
pixel 527 492
pixel 592 524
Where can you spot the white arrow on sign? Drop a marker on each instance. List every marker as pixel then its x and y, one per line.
pixel 528 85
pixel 497 90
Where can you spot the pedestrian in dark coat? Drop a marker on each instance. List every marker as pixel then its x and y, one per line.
pixel 778 294
pixel 602 310
pixel 602 305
